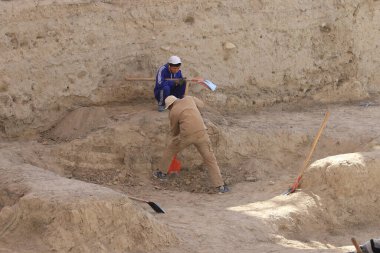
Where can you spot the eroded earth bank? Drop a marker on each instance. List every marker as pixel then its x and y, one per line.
pixel 77 139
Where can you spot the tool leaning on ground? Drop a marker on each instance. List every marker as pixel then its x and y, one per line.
pixel 295 185
pixel 153 205
pixel 357 247
pixel 199 80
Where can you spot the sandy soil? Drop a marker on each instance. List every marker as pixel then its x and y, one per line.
pixel 249 219
pixel 254 216
pixel 77 139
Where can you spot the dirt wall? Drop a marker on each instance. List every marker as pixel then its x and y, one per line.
pixel 56 57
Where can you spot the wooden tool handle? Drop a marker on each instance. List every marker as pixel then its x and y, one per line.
pixel 357 247
pixel 306 162
pixel 134 198
pixel 139 78
pixel 187 88
pixel 130 78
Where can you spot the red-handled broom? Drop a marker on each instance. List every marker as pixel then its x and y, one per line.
pixel 306 162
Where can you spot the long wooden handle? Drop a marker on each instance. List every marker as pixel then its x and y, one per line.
pixel 197 80
pixel 187 88
pixel 139 78
pixel 357 247
pixel 306 162
pixel 134 198
pixel 149 79
pixel 129 78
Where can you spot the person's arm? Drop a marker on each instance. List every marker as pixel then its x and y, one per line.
pixel 181 85
pixel 160 79
pixel 174 126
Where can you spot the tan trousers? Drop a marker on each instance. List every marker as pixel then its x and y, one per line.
pixel 202 142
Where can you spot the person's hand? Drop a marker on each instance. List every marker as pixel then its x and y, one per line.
pixel 180 81
pixel 198 80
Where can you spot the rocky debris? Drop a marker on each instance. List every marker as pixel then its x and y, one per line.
pixel 229 45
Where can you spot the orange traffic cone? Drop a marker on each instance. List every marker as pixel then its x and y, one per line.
pixel 175 166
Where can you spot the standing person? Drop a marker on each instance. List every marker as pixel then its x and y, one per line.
pixel 164 87
pixel 186 128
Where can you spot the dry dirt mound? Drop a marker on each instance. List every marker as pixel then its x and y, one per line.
pixel 78 123
pixel 40 210
pixel 338 194
pixel 347 186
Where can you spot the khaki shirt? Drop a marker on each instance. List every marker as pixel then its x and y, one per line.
pixel 185 118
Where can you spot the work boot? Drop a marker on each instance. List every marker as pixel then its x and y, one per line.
pixel 161 108
pixel 223 189
pixel 160 175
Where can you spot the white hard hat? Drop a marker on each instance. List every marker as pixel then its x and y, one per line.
pixel 169 101
pixel 174 60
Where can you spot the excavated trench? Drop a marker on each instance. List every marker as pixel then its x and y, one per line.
pixel 66 108
pixel 267 148
pixel 248 147
pixel 120 147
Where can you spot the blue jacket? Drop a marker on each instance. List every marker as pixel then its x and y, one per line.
pixel 164 73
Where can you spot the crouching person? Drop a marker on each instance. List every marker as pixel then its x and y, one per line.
pixel 187 127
